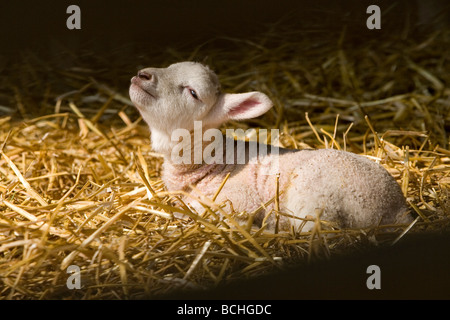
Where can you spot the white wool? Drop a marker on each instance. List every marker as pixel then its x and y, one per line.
pixel 344 188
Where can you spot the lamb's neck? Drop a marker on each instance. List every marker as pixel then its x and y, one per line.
pixel 186 162
pixel 161 142
pixel 183 177
pixel 191 160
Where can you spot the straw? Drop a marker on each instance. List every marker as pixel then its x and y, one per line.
pixel 80 185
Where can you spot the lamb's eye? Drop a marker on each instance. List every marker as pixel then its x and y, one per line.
pixel 193 93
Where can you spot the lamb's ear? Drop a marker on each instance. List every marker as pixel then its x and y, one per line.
pixel 239 106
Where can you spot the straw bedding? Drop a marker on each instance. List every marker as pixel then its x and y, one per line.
pixel 81 186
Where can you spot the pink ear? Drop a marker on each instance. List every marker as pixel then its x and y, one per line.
pixel 238 106
pixel 245 105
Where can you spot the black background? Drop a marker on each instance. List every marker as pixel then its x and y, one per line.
pixel 106 25
pixel 419 271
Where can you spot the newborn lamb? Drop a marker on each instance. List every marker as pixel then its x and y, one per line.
pixel 346 189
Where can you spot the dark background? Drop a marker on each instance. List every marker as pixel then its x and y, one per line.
pixel 134 28
pixel 107 25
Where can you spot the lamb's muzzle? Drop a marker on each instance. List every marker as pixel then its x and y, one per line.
pixel 144 81
pixel 145 75
pixel 347 189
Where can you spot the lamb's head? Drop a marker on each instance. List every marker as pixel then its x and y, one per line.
pixel 174 97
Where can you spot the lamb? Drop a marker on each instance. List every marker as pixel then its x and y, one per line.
pixel 346 189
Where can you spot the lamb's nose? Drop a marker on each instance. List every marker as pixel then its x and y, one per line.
pixel 145 75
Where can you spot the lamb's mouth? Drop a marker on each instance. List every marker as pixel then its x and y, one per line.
pixel 135 82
